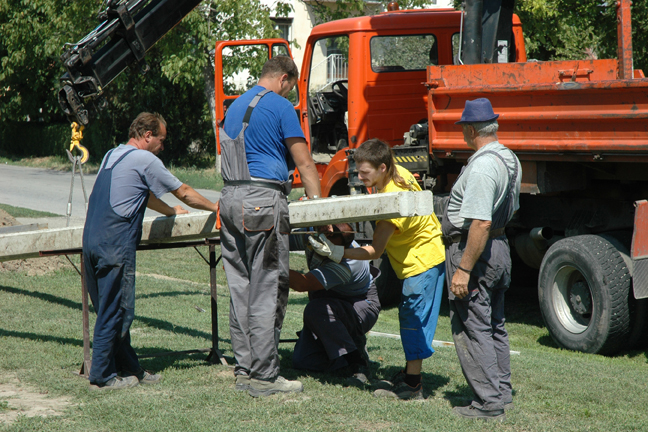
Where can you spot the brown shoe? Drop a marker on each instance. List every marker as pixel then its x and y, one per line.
pixel 145 377
pixel 402 392
pixel 472 412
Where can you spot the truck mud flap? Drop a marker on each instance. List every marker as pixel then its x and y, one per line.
pixel 640 250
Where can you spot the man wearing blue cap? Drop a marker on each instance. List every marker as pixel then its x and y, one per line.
pixel 478 261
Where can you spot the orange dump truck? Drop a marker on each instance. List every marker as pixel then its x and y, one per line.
pixel 580 129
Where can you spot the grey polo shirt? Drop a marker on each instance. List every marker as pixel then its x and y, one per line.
pixel 137 174
pixel 482 187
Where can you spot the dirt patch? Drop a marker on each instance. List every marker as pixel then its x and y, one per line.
pixel 31 267
pixel 17 399
pixel 7 220
pixel 34 266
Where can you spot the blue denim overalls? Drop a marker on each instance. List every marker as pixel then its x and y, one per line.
pixel 109 251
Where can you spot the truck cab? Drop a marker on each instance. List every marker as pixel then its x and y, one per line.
pixel 361 78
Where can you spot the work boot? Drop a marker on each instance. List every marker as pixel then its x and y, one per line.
pixel 242 383
pixel 359 376
pixel 394 381
pixel 472 412
pixel 143 376
pixel 402 391
pixel 116 383
pixel 278 385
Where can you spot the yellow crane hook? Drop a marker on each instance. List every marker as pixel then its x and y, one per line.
pixel 77 136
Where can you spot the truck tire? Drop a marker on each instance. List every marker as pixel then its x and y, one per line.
pixel 622 240
pixel 584 288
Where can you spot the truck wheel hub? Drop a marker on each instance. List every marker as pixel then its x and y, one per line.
pixel 580 299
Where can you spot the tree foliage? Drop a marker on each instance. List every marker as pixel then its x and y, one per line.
pixel 578 29
pixel 325 12
pixel 32 37
pixel 181 68
pixel 32 33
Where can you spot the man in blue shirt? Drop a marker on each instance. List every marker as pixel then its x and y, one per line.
pixel 343 307
pixel 261 141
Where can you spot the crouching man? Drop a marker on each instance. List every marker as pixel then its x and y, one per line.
pixel 343 307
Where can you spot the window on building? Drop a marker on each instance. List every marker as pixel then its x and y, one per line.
pixel 284 25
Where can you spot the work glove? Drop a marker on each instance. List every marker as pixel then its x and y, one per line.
pixel 324 247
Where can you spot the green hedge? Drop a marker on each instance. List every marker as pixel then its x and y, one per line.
pixel 27 139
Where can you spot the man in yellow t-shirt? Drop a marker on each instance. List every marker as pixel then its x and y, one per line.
pixel 417 254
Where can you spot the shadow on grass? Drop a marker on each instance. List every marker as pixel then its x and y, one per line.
pixel 461 397
pixel 43 296
pixel 431 382
pixel 547 341
pixel 173 328
pixel 175 294
pixel 521 306
pixel 41 338
pixel 151 322
pixel 181 361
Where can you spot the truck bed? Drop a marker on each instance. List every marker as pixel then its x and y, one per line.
pixel 560 110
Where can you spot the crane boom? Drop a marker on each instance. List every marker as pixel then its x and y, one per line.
pixel 130 28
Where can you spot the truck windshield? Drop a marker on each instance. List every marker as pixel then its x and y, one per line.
pixel 403 53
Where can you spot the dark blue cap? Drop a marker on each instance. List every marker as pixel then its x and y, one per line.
pixel 478 110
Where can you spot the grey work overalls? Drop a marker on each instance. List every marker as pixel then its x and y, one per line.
pixel 478 320
pixel 255 227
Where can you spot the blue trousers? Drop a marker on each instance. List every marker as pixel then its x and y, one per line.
pixel 418 311
pixel 110 289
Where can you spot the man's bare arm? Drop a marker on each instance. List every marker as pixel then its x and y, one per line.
pixel 304 282
pixel 382 234
pixel 192 198
pixel 310 178
pixel 154 203
pixel 477 238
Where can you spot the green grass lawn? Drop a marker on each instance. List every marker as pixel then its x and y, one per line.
pixel 41 349
pixel 21 212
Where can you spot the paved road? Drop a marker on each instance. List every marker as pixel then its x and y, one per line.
pixel 49 190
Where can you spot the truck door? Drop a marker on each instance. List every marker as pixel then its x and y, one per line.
pixel 237 66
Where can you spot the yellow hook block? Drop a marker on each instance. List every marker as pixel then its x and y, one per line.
pixel 77 136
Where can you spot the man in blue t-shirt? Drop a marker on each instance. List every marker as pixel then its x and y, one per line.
pixel 261 141
pixel 343 307
pixel 131 179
